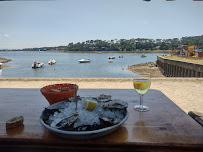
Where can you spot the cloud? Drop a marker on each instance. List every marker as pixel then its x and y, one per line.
pixel 6 35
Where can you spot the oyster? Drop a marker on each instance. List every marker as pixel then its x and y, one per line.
pixel 47 112
pixel 104 98
pixel 64 122
pixel 110 120
pixel 88 127
pixel 115 104
pixel 74 99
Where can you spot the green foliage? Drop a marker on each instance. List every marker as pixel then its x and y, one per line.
pixel 140 44
pixel 124 45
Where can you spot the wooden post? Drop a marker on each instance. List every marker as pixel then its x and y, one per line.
pixel 188 73
pixel 183 72
pixel 176 71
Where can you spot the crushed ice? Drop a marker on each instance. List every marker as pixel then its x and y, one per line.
pixel 87 117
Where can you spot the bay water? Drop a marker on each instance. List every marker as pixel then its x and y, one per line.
pixel 67 64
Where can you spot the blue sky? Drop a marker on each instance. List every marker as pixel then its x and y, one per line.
pixel 25 24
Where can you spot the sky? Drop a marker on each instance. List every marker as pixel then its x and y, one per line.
pixel 28 24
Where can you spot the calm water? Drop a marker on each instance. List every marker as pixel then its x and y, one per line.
pixel 67 64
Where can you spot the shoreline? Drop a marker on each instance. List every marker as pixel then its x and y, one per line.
pixel 149 67
pixel 145 51
pixel 4 60
pixel 95 79
pixel 184 92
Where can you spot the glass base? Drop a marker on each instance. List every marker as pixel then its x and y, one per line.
pixel 141 108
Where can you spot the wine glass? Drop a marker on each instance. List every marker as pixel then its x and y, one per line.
pixel 141 84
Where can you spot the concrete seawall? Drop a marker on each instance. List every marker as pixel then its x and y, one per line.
pixel 174 68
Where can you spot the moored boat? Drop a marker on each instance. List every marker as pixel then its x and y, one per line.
pixel 52 61
pixel 84 61
pixel 111 57
pixel 120 56
pixel 37 64
pixel 0 68
pixel 110 60
pixel 143 56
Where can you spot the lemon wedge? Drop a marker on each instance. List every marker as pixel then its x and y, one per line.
pixel 90 105
pixel 142 85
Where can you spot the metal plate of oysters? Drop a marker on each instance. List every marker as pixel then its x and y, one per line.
pixel 66 126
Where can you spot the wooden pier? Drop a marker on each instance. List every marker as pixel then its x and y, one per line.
pixel 174 68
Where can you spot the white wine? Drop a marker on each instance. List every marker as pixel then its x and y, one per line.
pixel 141 85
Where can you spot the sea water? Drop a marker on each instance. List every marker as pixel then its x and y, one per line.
pixel 67 64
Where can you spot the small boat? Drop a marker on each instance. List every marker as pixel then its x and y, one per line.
pixel 111 57
pixel 37 64
pixel 52 61
pixel 84 61
pixel 110 60
pixel 120 56
pixel 143 56
pixel 0 68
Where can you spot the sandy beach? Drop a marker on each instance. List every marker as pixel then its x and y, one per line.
pixel 184 92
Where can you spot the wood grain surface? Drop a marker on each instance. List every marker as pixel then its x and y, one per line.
pixel 165 127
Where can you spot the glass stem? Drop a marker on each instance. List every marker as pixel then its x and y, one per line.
pixel 141 100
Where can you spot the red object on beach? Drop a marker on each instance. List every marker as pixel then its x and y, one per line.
pixel 50 92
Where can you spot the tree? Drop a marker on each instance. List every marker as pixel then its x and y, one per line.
pixel 164 46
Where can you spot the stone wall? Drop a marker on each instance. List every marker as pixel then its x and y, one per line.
pixel 173 68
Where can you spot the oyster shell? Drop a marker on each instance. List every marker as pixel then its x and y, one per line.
pixel 110 120
pixel 104 98
pixel 115 104
pixel 64 122
pixel 47 112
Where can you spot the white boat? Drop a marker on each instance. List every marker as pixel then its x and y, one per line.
pixel 111 57
pixel 37 64
pixel 120 56
pixel 84 61
pixel 0 68
pixel 110 60
pixel 52 61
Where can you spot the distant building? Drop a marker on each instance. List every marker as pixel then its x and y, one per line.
pixel 188 51
pixel 157 47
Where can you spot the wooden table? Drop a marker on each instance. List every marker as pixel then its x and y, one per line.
pixel 165 127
